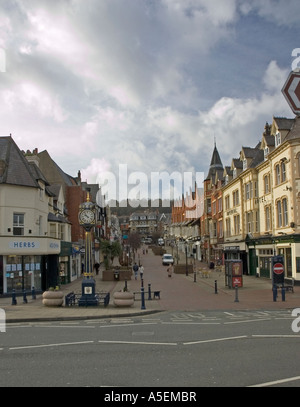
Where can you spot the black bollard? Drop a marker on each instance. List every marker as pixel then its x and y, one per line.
pixel 24 297
pixel 283 293
pixel 216 287
pixel 142 298
pixel 236 294
pixel 14 298
pixel 149 292
pixel 274 293
pixel 33 295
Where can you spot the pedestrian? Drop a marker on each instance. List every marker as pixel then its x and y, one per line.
pixel 141 270
pixel 96 267
pixel 170 270
pixel 135 269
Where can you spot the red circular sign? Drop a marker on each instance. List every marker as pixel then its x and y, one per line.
pixel 278 268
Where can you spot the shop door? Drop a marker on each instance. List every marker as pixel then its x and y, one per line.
pixel 1 274
pixel 252 262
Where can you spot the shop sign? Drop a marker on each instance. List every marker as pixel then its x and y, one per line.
pixel 29 244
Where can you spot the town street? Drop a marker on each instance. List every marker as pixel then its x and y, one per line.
pixel 183 349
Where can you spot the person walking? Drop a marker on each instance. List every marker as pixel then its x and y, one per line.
pixel 170 270
pixel 135 269
pixel 141 270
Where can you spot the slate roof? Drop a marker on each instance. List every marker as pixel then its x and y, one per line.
pixel 14 168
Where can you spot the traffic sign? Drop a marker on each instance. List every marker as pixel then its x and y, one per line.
pixel 291 91
pixel 278 268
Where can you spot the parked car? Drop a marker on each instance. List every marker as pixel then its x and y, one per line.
pixel 167 259
pixel 148 240
pixel 160 241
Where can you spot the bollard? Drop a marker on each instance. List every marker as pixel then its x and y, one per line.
pixel 236 294
pixel 149 292
pixel 14 299
pixel 195 276
pixel 33 295
pixel 142 298
pixel 283 293
pixel 216 287
pixel 24 297
pixel 274 293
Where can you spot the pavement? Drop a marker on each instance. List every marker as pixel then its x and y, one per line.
pixel 178 293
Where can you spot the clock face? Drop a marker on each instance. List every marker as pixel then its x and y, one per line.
pixel 87 217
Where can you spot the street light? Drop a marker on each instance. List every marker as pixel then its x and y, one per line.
pixel 186 259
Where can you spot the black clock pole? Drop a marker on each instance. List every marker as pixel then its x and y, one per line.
pixel 87 220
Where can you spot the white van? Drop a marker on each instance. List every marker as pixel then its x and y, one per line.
pixel 160 241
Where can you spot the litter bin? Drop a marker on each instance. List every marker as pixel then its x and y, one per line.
pixel 116 275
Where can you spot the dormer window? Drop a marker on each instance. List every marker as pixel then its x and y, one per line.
pixel 234 173
pixel 244 165
pixel 277 139
pixel 266 152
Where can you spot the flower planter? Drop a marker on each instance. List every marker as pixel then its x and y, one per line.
pixel 53 298
pixel 123 299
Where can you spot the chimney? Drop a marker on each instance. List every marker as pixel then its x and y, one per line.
pixel 33 157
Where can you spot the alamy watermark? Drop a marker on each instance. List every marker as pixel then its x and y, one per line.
pixel 296 61
pixel 296 322
pixel 2 320
pixel 2 60
pixel 137 188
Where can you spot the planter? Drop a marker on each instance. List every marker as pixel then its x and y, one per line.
pixel 53 298
pixel 123 299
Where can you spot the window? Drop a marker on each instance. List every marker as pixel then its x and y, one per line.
pixel 277 139
pixel 236 199
pixel 267 184
pixel 268 218
pixel 266 152
pixel 236 220
pixel 227 202
pixel 277 174
pixel 283 172
pixel 220 205
pixel 249 217
pixel 220 228
pixel 285 212
pixel 244 165
pixel 279 214
pixel 18 225
pixel 228 227
pixel 248 191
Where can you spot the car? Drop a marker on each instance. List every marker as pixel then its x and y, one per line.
pixel 160 242
pixel 167 259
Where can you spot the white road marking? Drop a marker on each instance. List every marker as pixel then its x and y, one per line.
pixel 216 340
pixel 140 343
pixel 275 382
pixel 50 345
pixel 248 320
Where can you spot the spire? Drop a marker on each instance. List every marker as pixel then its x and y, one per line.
pixel 215 164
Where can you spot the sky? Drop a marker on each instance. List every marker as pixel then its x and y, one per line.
pixel 146 84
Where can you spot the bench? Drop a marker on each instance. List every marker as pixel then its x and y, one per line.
pixel 103 298
pixel 156 294
pixel 70 299
pixel 289 284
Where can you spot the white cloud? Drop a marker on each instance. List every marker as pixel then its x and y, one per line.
pixel 100 83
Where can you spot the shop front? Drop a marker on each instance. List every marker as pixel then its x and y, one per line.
pixel 261 251
pixel 28 262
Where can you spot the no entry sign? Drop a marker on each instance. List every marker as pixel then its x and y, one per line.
pixel 278 269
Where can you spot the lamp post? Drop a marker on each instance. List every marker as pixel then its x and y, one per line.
pixel 186 259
